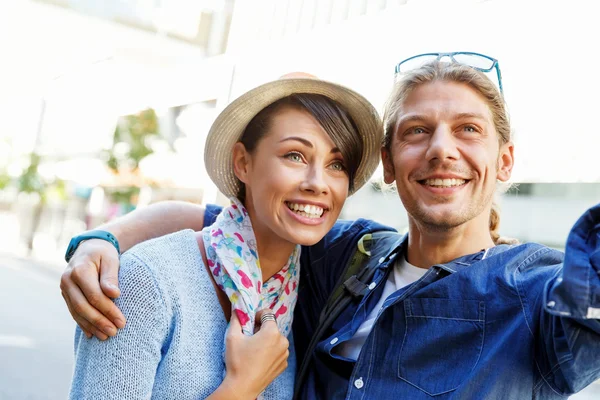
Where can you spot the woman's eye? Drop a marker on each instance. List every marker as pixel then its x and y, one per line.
pixel 338 166
pixel 296 157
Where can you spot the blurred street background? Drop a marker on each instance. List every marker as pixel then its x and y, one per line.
pixel 105 106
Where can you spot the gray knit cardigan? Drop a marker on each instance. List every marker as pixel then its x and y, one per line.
pixel 173 344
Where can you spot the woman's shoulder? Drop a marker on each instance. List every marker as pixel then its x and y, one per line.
pixel 173 261
pixel 179 248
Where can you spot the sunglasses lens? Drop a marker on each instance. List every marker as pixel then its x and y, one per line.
pixel 475 61
pixel 416 62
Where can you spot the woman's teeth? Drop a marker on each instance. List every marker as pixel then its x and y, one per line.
pixel 306 210
pixel 444 182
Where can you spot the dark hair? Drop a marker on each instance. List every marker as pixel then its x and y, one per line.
pixel 334 119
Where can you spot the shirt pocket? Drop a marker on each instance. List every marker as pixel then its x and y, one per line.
pixel 442 343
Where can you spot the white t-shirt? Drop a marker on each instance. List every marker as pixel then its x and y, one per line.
pixel 403 275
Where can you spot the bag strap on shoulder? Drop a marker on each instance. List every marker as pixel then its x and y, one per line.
pixel 352 284
pixel 358 259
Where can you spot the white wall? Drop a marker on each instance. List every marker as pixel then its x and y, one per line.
pixel 90 71
pixel 537 218
pixel 545 51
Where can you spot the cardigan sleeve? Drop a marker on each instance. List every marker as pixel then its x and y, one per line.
pixel 124 366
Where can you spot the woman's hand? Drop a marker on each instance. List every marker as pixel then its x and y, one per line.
pixel 252 362
pixel 88 284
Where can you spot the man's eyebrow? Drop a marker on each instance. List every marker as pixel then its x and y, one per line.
pixel 307 143
pixel 467 115
pixel 410 118
pixel 422 117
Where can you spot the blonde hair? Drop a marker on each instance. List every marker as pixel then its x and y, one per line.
pixel 451 72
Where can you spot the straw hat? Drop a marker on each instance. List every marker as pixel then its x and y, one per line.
pixel 232 121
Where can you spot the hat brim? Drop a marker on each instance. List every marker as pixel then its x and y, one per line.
pixel 230 124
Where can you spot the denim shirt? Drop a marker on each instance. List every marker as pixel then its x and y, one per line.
pixel 509 322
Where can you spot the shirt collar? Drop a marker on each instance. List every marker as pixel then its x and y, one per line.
pixel 398 248
pixel 454 265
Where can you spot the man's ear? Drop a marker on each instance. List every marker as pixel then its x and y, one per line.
pixel 241 162
pixel 506 161
pixel 389 175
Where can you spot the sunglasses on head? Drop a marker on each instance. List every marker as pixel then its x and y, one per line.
pixel 480 62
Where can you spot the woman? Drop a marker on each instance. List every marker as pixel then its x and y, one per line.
pixel 287 153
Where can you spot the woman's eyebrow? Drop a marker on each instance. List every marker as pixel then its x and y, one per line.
pixel 307 143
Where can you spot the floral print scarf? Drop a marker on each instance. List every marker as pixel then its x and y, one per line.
pixel 232 258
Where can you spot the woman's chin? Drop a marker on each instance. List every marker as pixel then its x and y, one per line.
pixel 307 236
pixel 308 242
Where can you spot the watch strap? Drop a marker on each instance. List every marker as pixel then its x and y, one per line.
pixel 94 234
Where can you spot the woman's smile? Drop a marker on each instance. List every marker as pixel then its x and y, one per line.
pixel 295 179
pixel 307 214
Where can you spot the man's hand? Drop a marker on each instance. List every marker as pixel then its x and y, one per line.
pixel 88 284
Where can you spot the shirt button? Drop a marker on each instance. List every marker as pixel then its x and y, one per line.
pixel 359 383
pixel 334 341
pixel 551 304
pixel 381 260
pixel 372 285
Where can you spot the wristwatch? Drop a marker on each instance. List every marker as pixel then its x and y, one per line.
pixel 96 234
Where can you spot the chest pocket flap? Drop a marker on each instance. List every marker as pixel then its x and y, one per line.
pixel 442 343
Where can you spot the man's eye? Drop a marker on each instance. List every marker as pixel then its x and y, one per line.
pixel 296 157
pixel 470 129
pixel 417 131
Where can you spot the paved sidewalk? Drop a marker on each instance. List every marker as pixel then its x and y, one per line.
pixel 45 253
pixel 36 333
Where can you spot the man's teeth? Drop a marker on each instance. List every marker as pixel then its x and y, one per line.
pixel 444 182
pixel 306 210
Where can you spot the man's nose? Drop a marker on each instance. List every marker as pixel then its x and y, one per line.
pixel 442 145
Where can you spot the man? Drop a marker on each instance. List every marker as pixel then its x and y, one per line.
pixel 449 313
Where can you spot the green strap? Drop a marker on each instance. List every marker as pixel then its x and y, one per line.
pixel 356 262
pixel 339 299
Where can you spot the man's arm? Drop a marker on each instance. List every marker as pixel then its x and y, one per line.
pixel 91 278
pixel 568 339
pixel 156 220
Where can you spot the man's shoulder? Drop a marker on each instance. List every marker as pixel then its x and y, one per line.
pixel 342 240
pixel 354 229
pixel 211 212
pixel 529 256
pixel 542 253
